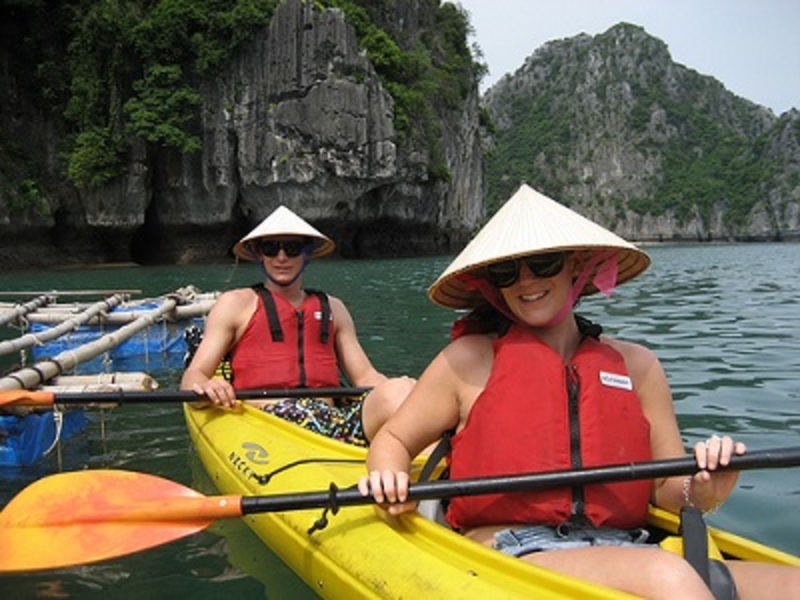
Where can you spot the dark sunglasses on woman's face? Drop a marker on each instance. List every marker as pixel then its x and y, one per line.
pixel 505 274
pixel 292 249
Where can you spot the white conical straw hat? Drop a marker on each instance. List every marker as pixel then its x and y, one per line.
pixel 283 221
pixel 531 223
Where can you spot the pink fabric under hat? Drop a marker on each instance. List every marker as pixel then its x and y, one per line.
pixel 531 223
pixel 283 222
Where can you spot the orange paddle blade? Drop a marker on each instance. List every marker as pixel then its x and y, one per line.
pixel 27 398
pixel 87 516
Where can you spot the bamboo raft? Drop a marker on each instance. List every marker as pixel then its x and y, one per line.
pixel 30 434
pixel 59 336
pixel 96 330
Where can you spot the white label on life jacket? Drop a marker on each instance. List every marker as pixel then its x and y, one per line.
pixel 318 316
pixel 622 382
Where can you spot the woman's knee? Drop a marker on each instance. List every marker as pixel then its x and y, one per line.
pixel 383 401
pixel 644 572
pixel 674 577
pixel 391 393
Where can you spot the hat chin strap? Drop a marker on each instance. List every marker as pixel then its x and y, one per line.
pixel 605 268
pixel 306 260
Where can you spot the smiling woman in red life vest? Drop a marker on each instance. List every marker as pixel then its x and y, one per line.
pixel 278 334
pixel 529 386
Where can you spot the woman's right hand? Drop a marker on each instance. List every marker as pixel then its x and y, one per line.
pixel 389 489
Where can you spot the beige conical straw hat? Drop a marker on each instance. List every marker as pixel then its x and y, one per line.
pixel 283 221
pixel 531 223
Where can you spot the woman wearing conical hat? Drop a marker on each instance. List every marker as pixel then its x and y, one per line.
pixel 529 386
pixel 277 334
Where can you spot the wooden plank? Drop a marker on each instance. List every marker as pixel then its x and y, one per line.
pixel 103 382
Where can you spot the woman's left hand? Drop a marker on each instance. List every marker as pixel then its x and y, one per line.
pixel 709 488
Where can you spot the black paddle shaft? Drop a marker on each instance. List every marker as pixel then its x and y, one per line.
pixel 335 497
pixel 141 397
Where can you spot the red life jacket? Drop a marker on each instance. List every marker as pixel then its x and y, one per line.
pixel 537 414
pixel 287 347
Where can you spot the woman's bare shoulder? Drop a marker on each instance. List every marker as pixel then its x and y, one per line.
pixel 473 342
pixel 628 348
pixel 639 359
pixel 470 352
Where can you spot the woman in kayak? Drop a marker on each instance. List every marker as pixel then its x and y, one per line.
pixel 529 386
pixel 279 335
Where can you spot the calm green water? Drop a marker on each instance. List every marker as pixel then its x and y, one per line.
pixel 725 321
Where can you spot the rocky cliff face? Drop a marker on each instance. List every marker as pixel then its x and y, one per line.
pixel 607 124
pixel 613 127
pixel 298 118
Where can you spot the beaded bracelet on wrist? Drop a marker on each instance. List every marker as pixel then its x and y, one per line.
pixel 687 500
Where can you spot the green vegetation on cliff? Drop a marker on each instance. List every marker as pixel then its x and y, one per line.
pixel 134 65
pixel 122 71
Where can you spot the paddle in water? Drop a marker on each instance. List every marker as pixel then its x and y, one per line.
pixel 87 516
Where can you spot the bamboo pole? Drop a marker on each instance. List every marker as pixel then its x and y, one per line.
pixel 189 311
pixel 32 377
pixel 20 310
pixel 67 325
pixel 56 293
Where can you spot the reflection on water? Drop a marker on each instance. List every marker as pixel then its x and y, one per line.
pixel 247 553
pixel 723 320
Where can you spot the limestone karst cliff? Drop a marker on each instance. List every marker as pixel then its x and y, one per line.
pixel 365 118
pixel 612 126
pixel 298 116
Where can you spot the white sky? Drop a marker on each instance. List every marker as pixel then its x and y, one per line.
pixel 751 46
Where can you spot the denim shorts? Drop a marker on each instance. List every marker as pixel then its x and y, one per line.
pixel 526 539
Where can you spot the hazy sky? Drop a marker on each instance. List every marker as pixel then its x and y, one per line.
pixel 751 46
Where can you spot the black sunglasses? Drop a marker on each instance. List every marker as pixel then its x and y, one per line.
pixel 505 274
pixel 292 249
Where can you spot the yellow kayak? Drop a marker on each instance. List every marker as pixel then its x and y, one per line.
pixel 362 552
